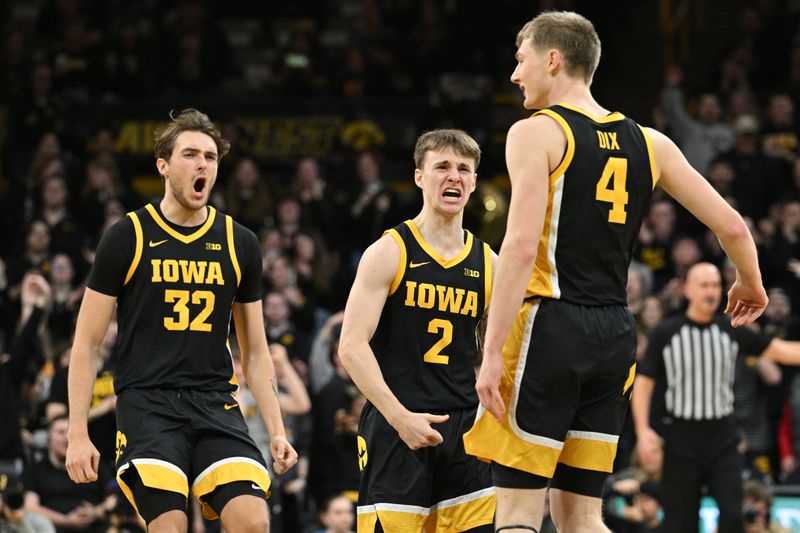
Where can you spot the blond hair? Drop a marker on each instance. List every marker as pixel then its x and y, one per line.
pixel 571 34
pixel 187 120
pixel 457 140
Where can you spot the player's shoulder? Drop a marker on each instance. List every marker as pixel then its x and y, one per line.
pixel 539 126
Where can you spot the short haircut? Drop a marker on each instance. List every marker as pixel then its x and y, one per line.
pixel 187 120
pixel 457 140
pixel 571 34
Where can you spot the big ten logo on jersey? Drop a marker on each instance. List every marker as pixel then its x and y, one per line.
pixel 472 273
pixel 441 297
pixel 122 442
pixel 213 246
pixel 608 140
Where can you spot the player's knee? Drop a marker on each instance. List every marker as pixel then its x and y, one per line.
pixel 251 523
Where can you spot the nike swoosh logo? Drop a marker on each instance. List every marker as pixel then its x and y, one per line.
pixel 255 486
pixel 231 406
pixel 412 264
pixel 154 244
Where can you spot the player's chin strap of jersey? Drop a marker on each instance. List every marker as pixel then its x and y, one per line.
pixel 517 526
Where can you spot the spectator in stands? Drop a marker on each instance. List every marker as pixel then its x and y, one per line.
pixel 282 278
pixel 700 139
pixel 66 234
pixel 281 330
pixel 102 185
pixel 369 205
pixel 66 299
pixel 757 509
pixel 23 354
pixel 779 135
pixel 248 198
pixel 655 241
pixel 311 265
pixel 50 492
pixel 758 177
pixel 34 255
pixel 336 516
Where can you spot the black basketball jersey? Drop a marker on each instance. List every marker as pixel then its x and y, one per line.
pixel 425 342
pixel 598 196
pixel 174 297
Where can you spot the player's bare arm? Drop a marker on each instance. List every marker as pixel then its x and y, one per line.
pixel 534 146
pixel 361 316
pixel 296 400
pixel 747 299
pixel 260 374
pixel 93 319
pixel 783 352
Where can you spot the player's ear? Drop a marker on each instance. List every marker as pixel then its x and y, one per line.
pixel 163 166
pixel 418 177
pixel 474 182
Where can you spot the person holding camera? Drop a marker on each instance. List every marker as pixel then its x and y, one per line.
pixel 13 516
pixel 756 509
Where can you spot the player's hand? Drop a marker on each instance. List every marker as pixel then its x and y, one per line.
pixel 488 385
pixel 82 459
pixel 416 431
pixel 648 443
pixel 745 303
pixel 283 454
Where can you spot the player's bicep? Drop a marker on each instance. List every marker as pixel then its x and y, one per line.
pixel 376 271
pixel 528 157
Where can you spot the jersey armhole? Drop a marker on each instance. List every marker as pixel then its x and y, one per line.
pixel 569 151
pixel 487 268
pixel 137 256
pixel 232 249
pixel 651 155
pixel 401 267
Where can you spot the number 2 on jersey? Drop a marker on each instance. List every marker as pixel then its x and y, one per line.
pixel 181 298
pixel 616 169
pixel 434 354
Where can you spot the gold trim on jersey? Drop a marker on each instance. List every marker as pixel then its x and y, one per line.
pixel 589 451
pixel 156 474
pixel 185 239
pixel 392 516
pixel 463 513
pixel 611 117
pixel 401 267
pixel 446 263
pixel 651 155
pixel 232 249
pixel 487 269
pixel 505 442
pixel 227 471
pixel 137 230
pixel 544 278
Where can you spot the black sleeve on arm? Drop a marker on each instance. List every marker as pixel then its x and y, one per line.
pixel 248 254
pixel 750 342
pixel 113 258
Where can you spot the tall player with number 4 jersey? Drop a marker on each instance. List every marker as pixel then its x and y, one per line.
pixel 409 342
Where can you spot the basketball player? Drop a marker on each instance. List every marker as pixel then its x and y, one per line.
pixel 558 361
pixel 176 270
pixel 409 343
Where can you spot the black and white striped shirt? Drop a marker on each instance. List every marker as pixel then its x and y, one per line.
pixel 698 362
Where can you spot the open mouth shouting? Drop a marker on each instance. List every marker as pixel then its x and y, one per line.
pixel 199 186
pixel 450 192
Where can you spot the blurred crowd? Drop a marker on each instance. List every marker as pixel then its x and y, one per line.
pixel 739 128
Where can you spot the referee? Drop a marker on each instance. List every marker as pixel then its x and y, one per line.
pixel 696 354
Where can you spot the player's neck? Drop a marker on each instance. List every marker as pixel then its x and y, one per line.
pixel 577 94
pixel 444 234
pixel 174 212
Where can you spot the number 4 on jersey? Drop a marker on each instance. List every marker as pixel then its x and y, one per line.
pixel 616 169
